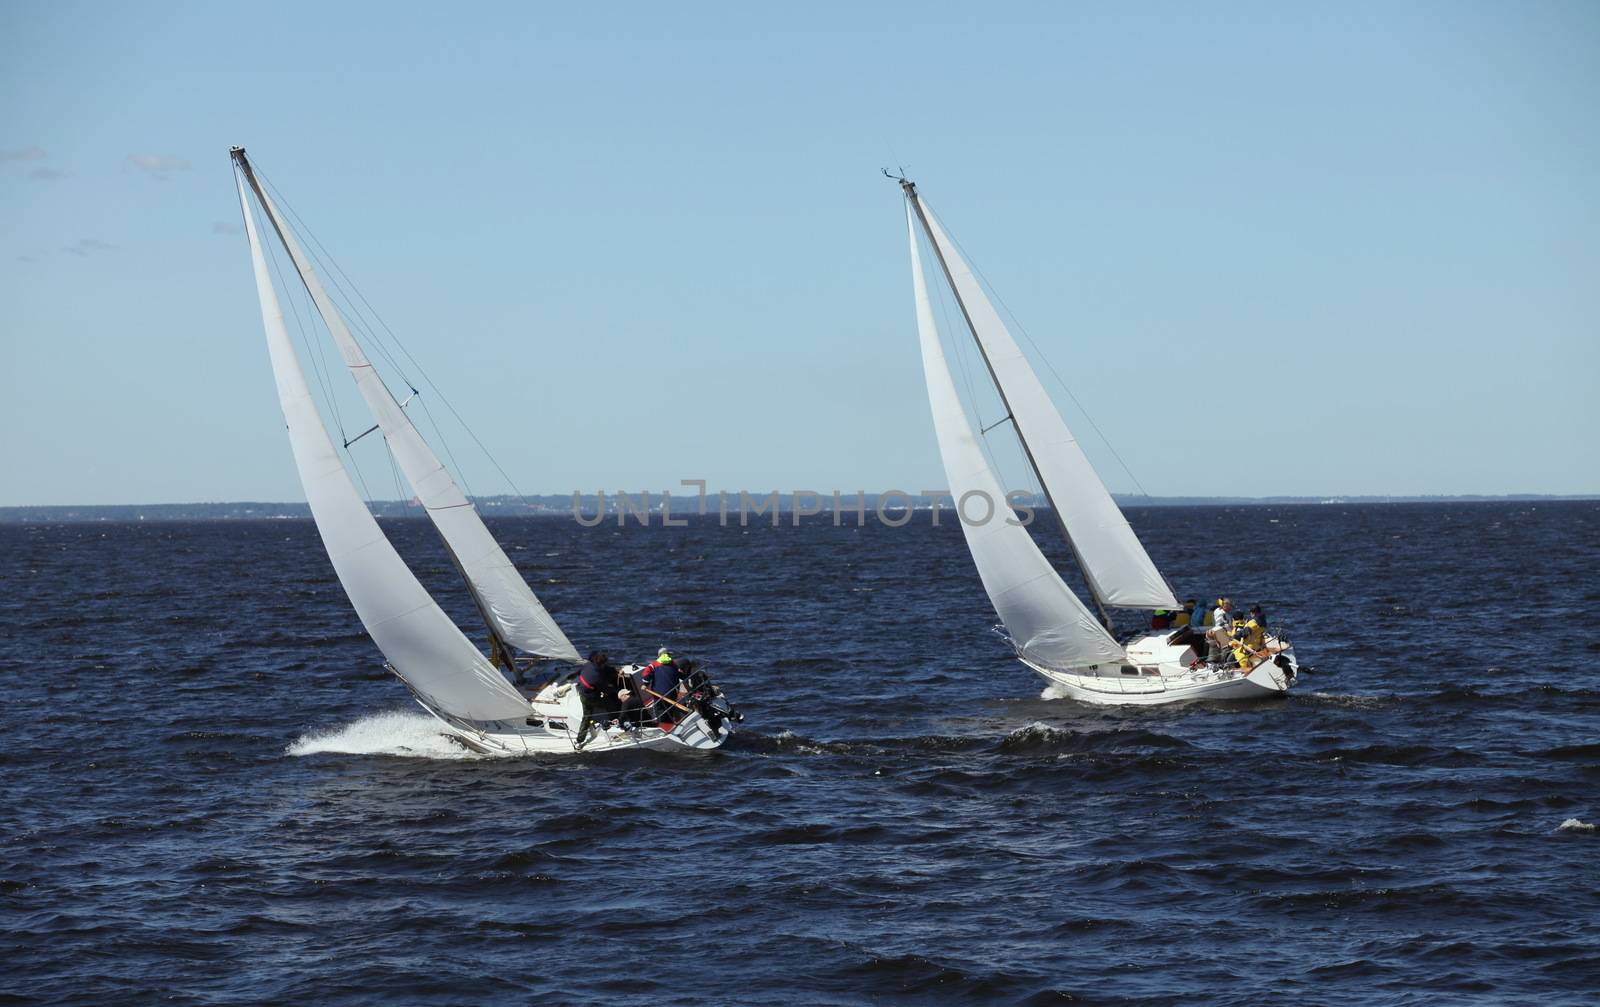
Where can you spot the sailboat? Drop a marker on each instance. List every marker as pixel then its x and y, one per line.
pixel 1048 627
pixel 447 674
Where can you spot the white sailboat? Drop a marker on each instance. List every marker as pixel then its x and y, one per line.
pixel 1049 628
pixel 446 673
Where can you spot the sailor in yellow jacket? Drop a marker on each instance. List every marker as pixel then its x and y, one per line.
pixel 1249 647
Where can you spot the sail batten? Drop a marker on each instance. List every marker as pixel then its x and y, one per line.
pixel 1046 621
pixel 423 646
pixel 509 606
pixel 1119 571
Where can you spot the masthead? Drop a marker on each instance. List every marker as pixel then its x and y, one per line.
pixel 906 184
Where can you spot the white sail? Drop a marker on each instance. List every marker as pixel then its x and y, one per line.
pixel 1047 622
pixel 1119 571
pixel 509 605
pixel 423 646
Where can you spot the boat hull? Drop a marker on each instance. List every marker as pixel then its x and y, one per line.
pixel 1159 673
pixel 551 728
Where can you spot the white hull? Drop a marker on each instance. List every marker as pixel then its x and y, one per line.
pixel 1159 673
pixel 551 728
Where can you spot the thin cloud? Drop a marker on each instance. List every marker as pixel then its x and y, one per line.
pixel 48 174
pixel 223 227
pixel 22 154
pixel 85 247
pixel 158 165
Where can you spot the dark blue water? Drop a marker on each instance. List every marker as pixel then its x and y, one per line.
pixel 211 793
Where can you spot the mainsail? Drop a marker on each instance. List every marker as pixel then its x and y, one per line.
pixel 1119 571
pixel 423 646
pixel 510 607
pixel 1047 622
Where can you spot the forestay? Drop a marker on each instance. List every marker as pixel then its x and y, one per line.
pixel 1119 571
pixel 508 604
pixel 1047 622
pixel 423 646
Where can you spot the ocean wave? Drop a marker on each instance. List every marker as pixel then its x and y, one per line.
pixel 1348 701
pixel 1037 735
pixel 410 735
pixel 786 741
pixel 1403 755
pixel 1576 753
pixel 1041 737
pixel 1405 898
pixel 1573 825
pixel 820 833
pixel 783 741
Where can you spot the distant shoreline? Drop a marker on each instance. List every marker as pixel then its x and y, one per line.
pixel 561 506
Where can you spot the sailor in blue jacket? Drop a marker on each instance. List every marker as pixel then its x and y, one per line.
pixel 660 677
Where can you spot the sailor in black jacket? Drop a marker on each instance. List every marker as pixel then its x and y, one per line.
pixel 598 684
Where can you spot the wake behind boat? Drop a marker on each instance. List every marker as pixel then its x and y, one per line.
pixel 450 678
pixel 1048 627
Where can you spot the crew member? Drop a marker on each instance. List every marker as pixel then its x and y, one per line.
pixel 1255 631
pixel 1186 616
pixel 1190 630
pixel 659 676
pixel 598 686
pixel 1220 634
pixel 663 676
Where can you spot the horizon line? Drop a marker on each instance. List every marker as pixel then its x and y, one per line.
pixel 543 501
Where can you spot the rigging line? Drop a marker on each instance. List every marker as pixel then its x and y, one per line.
pixel 371 502
pixel 377 341
pixel 956 348
pixel 366 494
pixel 333 271
pixel 447 450
pixel 290 292
pixel 400 344
pixel 959 346
pixel 486 453
pixel 1053 373
pixel 314 349
pixel 354 319
pixel 1007 418
pixel 961 349
pixel 322 379
pixel 394 470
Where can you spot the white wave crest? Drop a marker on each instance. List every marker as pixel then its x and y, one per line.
pixel 1037 731
pixel 1054 691
pixel 1573 825
pixel 402 733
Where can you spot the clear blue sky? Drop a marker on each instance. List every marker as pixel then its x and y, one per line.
pixel 1370 230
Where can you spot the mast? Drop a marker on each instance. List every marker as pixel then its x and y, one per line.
pixel 504 599
pixel 910 189
pixel 1048 624
pixel 497 645
pixel 425 648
